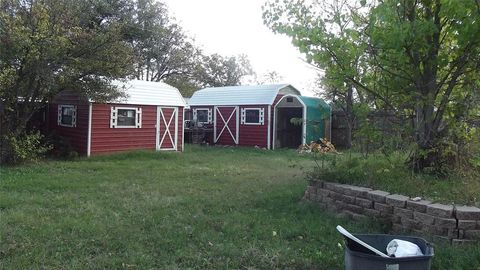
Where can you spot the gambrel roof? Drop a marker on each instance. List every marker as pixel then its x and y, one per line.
pixel 149 93
pixel 241 95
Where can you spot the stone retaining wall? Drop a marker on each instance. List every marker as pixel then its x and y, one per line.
pixel 455 224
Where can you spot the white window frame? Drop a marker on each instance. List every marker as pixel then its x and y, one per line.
pixel 261 116
pixel 209 115
pixel 60 115
pixel 114 117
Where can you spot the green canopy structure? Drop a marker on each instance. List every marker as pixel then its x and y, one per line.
pixel 300 120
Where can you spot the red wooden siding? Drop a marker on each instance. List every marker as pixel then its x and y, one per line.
pixel 77 135
pixel 255 135
pixel 248 135
pixel 225 138
pixel 106 139
pixel 277 99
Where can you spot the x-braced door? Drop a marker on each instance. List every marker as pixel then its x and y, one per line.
pixel 167 128
pixel 226 125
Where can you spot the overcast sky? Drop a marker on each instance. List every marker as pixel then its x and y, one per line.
pixel 232 27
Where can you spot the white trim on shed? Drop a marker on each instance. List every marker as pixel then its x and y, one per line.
pixel 304 118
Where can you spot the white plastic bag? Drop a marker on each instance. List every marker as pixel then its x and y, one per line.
pixel 400 248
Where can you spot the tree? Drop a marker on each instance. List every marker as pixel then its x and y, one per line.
pixel 269 77
pixel 419 57
pixel 163 52
pixel 185 83
pixel 51 45
pixel 216 70
pixel 161 47
pixel 433 50
pixel 212 71
pixel 330 36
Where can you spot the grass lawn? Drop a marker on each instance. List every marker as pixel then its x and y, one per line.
pixel 207 208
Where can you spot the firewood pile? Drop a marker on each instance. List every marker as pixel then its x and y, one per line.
pixel 320 146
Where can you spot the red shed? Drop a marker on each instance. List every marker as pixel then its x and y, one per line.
pixel 239 115
pixel 150 116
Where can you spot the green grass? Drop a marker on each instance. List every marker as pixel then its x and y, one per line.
pixel 208 208
pixel 391 174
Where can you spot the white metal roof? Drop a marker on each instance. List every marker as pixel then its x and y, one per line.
pixel 149 93
pixel 240 95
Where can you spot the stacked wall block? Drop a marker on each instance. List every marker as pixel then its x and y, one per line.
pixel 455 224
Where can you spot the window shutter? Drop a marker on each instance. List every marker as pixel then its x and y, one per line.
pixel 59 118
pixel 113 117
pixel 74 116
pixel 242 121
pixel 261 115
pixel 139 118
pixel 194 115
pixel 209 116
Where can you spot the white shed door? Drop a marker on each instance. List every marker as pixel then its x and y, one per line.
pixel 167 128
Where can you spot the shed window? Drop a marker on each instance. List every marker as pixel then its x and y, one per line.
pixel 253 116
pixel 122 117
pixel 126 117
pixel 203 115
pixel 67 115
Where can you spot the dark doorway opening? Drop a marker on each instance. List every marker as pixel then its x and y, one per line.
pixel 288 135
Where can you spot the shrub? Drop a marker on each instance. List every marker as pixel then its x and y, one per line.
pixel 61 147
pixel 29 146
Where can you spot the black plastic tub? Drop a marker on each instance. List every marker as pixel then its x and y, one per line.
pixel 359 258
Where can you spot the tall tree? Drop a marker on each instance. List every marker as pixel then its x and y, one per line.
pixel 161 47
pixel 417 56
pixel 212 71
pixel 433 49
pixel 50 45
pixel 330 36
pixel 269 77
pixel 163 52
pixel 216 70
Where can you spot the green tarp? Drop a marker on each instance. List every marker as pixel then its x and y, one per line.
pixel 318 115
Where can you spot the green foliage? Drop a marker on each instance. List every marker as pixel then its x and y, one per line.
pixel 212 71
pixel 24 148
pixel 61 147
pixel 378 131
pixel 414 58
pixel 392 174
pixel 297 121
pixel 162 49
pixel 217 71
pixel 163 52
pixel 49 46
pixel 54 45
pixel 367 135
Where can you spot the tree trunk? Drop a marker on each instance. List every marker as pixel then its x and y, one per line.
pixel 349 117
pixel 425 132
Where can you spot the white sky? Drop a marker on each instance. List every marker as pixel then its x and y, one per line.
pixel 232 27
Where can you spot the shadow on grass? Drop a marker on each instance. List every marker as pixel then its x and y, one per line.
pixel 137 155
